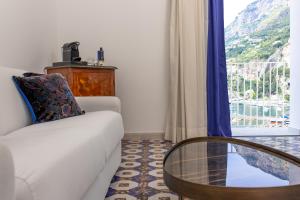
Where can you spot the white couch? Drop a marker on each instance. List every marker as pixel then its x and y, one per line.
pixel 69 159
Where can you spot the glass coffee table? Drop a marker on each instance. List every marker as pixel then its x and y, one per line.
pixel 224 168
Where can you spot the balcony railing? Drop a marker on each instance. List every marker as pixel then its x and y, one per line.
pixel 259 94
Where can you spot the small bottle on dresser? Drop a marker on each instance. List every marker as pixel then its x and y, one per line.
pixel 100 57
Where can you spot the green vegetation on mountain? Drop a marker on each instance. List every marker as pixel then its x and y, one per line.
pixel 263 88
pixel 259 32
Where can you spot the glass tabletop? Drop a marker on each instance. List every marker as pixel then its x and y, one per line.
pixel 226 164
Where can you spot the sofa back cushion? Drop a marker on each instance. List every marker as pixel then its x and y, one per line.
pixel 14 113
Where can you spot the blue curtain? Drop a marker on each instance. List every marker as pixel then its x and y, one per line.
pixel 218 114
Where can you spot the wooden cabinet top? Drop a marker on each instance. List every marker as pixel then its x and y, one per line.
pixel 82 67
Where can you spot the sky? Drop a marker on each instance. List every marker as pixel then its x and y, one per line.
pixel 232 8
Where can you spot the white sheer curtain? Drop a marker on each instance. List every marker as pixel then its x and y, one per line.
pixel 187 116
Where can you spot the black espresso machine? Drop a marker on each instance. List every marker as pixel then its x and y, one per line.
pixel 70 55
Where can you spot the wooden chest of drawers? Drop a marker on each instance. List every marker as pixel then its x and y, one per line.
pixel 88 81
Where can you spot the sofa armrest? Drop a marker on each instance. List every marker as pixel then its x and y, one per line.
pixel 7 174
pixel 99 103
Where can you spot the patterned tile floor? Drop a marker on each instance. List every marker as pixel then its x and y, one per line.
pixel 140 175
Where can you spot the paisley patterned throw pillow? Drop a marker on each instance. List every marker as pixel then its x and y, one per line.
pixel 48 97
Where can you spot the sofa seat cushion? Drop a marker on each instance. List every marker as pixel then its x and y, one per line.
pixel 61 159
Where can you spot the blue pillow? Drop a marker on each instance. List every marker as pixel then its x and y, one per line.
pixel 48 97
pixel 33 117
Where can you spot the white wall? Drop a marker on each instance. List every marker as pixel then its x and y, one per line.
pixel 27 33
pixel 134 34
pixel 295 65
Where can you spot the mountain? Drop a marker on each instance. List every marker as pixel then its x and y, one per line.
pixel 260 32
pixel 263 161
